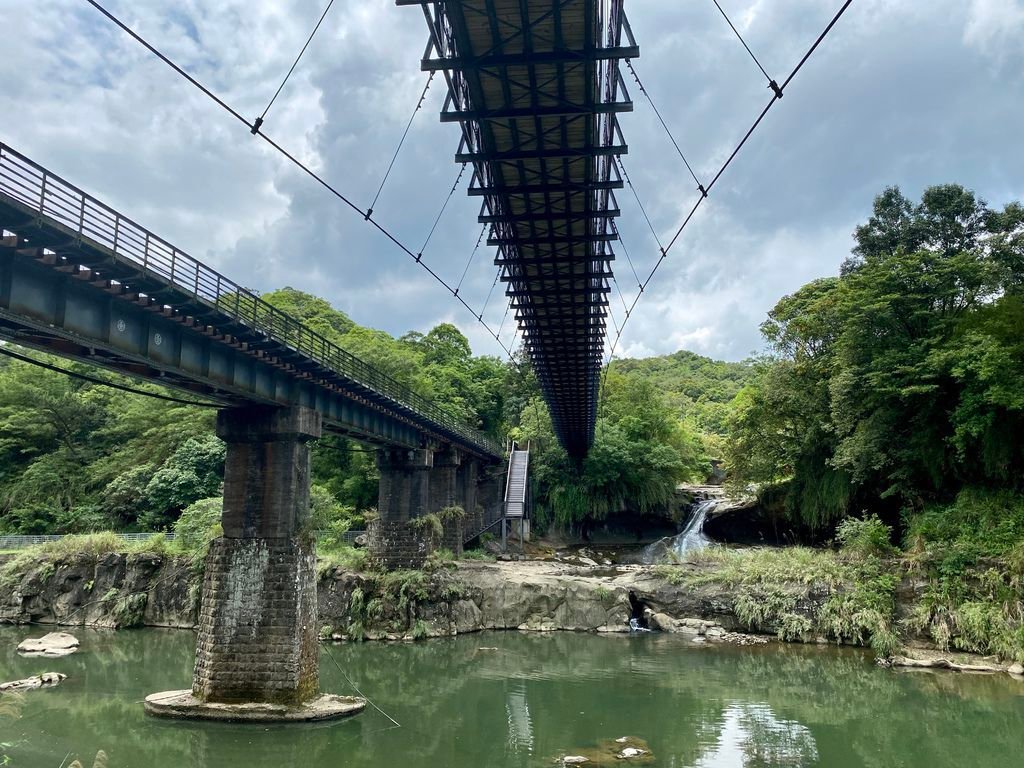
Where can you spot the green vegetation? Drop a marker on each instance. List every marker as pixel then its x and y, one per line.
pixel 77 457
pixel 898 383
pixel 641 451
pixel 800 593
pixel 896 388
pixel 699 388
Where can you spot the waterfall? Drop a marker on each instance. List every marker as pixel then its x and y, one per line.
pixel 690 538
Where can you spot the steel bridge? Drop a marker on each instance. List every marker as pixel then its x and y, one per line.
pixel 536 88
pixel 80 280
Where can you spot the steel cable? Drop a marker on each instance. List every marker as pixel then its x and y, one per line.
pixel 298 163
pixel 401 141
pixel 259 121
pixel 103 382
pixel 777 94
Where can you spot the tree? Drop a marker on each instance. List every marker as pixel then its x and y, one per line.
pixel 641 451
pixel 899 379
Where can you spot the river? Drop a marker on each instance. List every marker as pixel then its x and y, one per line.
pixel 516 700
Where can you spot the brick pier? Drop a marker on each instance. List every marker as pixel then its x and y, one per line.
pixel 257 627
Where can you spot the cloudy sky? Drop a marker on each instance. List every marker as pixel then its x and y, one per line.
pixel 912 93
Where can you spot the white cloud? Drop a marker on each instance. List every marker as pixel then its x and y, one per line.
pixel 899 93
pixel 994 25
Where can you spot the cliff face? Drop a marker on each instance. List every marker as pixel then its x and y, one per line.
pixel 113 590
pixel 118 591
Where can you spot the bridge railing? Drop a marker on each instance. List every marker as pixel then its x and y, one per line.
pixel 49 195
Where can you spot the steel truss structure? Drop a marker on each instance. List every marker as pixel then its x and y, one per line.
pixel 536 88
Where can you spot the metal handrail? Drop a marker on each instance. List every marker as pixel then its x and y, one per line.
pixel 49 195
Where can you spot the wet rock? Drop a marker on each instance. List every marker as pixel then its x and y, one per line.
pixel 52 645
pixel 574 760
pixel 631 752
pixel 934 660
pixel 45 680
pixel 662 622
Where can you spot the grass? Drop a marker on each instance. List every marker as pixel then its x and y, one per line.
pixel 478 554
pixel 771 587
pixel 969 553
pixel 92 546
pixel 342 556
pixel 747 567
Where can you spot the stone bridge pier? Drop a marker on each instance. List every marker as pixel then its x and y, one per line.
pixel 257 652
pixel 416 483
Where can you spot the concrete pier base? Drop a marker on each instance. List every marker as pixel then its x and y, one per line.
pixel 182 705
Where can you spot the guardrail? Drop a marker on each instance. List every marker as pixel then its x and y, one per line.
pixel 20 542
pixel 50 195
pixel 23 541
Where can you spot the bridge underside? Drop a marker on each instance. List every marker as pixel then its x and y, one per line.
pixel 536 88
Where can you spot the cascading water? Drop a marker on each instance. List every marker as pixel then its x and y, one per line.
pixel 690 538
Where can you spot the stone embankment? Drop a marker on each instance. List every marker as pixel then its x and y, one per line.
pixel 119 590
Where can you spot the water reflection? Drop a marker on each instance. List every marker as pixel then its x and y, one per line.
pixel 520 728
pixel 752 736
pixel 508 700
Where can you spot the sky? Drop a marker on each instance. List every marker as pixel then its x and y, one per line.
pixel 908 93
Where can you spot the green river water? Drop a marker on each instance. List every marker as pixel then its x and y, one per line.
pixel 511 699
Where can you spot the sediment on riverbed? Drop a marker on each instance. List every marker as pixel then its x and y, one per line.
pixel 118 590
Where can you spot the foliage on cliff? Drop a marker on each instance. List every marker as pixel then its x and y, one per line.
pixel 900 379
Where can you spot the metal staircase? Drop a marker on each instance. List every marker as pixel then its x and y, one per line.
pixel 516 491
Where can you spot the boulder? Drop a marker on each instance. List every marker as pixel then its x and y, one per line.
pixel 1016 669
pixel 661 621
pixel 631 752
pixel 51 645
pixel 46 680
pixel 574 760
pixel 361 540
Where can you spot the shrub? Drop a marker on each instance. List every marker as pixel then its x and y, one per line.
pixel 428 526
pixel 869 537
pixel 198 525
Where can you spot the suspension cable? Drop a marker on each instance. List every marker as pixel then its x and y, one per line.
pixel 476 248
pixel 401 141
pixel 488 299
pixel 771 82
pixel 103 382
pixel 639 202
pixel 777 94
pixel 664 125
pixel 430 234
pixel 259 120
pixel 296 162
pixel 625 252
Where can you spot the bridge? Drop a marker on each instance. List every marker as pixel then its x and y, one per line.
pixel 536 90
pixel 82 281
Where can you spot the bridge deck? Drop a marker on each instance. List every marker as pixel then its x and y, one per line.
pixel 180 322
pixel 536 88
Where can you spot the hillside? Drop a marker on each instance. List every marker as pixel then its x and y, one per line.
pixel 699 387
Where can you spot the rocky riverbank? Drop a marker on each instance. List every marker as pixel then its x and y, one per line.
pixel 705 599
